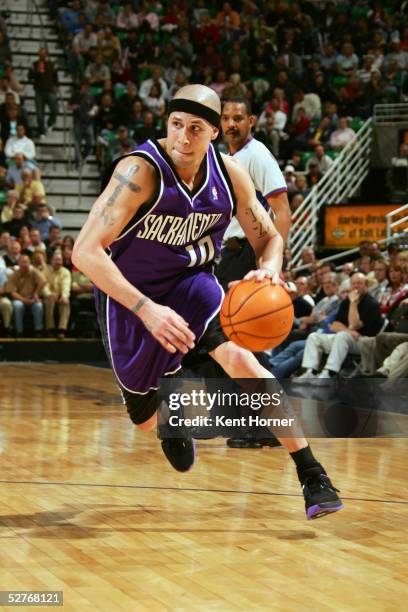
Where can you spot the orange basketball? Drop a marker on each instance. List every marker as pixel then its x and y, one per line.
pixel 257 315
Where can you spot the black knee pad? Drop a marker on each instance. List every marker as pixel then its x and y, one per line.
pixel 140 407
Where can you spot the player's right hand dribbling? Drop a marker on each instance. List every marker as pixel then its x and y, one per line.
pixel 168 327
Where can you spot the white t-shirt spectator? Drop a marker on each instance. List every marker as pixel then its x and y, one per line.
pixel 22 145
pixel 146 87
pixel 341 137
pixel 85 42
pixel 280 120
pixel 312 105
pixel 323 163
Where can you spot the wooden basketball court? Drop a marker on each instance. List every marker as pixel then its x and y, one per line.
pixel 90 506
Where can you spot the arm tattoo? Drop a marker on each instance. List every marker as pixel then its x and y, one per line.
pixel 139 304
pixel 107 215
pixel 256 223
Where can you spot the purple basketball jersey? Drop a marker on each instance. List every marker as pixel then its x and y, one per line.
pixel 166 253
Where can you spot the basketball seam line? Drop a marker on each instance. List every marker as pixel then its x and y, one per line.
pixel 246 299
pixel 262 315
pixel 256 336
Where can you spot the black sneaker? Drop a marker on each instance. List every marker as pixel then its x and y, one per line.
pixel 244 441
pixel 320 495
pixel 179 452
pixel 251 441
pixel 272 442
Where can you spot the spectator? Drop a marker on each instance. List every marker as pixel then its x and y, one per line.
pixel 14 171
pixel 395 291
pixel 147 17
pixel 136 118
pixel 12 257
pixel 19 219
pixel 39 261
pixel 326 305
pixel 174 69
pixel 84 108
pixel 324 308
pixel 342 136
pixel 180 81
pixel 20 143
pixel 121 74
pixel 68 242
pixel 381 279
pixel 7 212
pixel 269 135
pixel 97 73
pixel 5 52
pixel 103 12
pixel 25 240
pixel 289 360
pixel 122 139
pixel 10 119
pixel 358 315
pixel 25 285
pixel 45 221
pixel 5 88
pixel 15 86
pixel 308 256
pixel 5 241
pixel 280 118
pixel 154 102
pixel 81 46
pixel 315 136
pixel 109 45
pixel 227 19
pixel 310 103
pixel 127 19
pixel 28 187
pixel 107 117
pixel 59 290
pixel 302 290
pixel 44 79
pixel 155 78
pixel 37 245
pixel 126 102
pixel 290 178
pixel 70 18
pixel 313 175
pixel 347 61
pixel 54 241
pixel 301 185
pixel 320 158
pixel 148 130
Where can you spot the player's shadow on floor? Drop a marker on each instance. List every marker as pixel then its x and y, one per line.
pixel 60 525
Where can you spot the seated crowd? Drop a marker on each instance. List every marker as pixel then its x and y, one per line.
pixel 41 293
pixel 358 314
pixel 312 71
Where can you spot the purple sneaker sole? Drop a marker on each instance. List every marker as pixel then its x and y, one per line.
pixel 319 510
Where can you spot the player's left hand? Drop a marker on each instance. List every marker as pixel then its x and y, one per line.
pixel 260 275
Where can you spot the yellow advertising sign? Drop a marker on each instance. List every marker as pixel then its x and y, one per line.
pixel 346 226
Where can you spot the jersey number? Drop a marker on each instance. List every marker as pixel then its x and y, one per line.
pixel 204 253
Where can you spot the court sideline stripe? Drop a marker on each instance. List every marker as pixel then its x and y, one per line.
pixel 190 489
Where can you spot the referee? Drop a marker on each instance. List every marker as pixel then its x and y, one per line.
pixel 237 256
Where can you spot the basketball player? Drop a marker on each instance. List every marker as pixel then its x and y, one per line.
pixel 148 245
pixel 237 255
